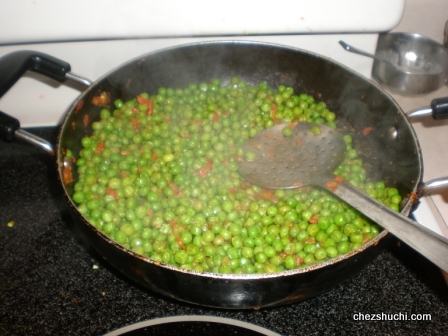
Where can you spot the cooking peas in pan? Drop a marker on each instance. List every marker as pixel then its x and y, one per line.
pixel 160 176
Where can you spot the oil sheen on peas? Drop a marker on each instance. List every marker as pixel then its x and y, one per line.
pixel 160 176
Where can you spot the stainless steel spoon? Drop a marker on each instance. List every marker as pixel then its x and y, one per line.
pixel 309 156
pixel 352 49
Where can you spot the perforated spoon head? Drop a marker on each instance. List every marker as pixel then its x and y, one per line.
pixel 307 156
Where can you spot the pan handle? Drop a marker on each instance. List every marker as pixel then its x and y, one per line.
pixel 12 67
pixel 430 186
pixel 15 64
pixel 438 109
pixel 10 130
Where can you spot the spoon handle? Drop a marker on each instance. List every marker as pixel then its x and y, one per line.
pixel 428 243
pixel 354 50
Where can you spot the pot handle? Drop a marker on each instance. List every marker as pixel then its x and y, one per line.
pixel 15 64
pixel 10 130
pixel 438 109
pixel 431 186
pixel 12 67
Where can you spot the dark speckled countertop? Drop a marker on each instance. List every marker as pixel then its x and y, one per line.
pixel 50 284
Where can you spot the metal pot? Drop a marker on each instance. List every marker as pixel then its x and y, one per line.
pixel 391 153
pixel 419 64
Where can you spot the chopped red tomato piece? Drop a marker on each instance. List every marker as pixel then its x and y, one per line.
pixel 204 171
pixel 216 117
pixel 148 102
pixel 102 99
pixel 274 111
pixel 135 124
pixel 99 148
pixel 367 130
pixel 85 120
pixel 112 192
pixel 67 175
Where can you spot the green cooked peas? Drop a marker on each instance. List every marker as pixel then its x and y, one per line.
pixel 287 131
pixel 165 183
pixel 320 254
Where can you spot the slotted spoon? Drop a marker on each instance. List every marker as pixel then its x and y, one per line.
pixel 309 156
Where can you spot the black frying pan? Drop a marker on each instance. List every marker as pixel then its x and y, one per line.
pixel 391 153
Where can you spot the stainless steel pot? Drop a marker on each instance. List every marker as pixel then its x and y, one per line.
pixel 391 153
pixel 419 64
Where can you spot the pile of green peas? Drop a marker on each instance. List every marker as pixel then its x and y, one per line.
pixel 159 175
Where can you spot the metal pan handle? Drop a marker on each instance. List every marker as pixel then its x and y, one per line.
pixel 438 110
pixel 12 67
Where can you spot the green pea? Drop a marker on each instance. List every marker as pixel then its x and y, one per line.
pixel 340 219
pixel 120 237
pixel 320 254
pixel 313 230
pixel 261 257
pixel 269 251
pixel 356 237
pixel 332 251
pixel 321 236
pixel 309 259
pixel 309 248
pixel 287 131
pixel 306 215
pixel 324 223
pixel 343 247
pixel 208 236
pixel 290 262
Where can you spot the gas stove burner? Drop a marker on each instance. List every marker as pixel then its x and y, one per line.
pixel 192 325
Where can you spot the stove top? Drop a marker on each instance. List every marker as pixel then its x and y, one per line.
pixel 50 283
